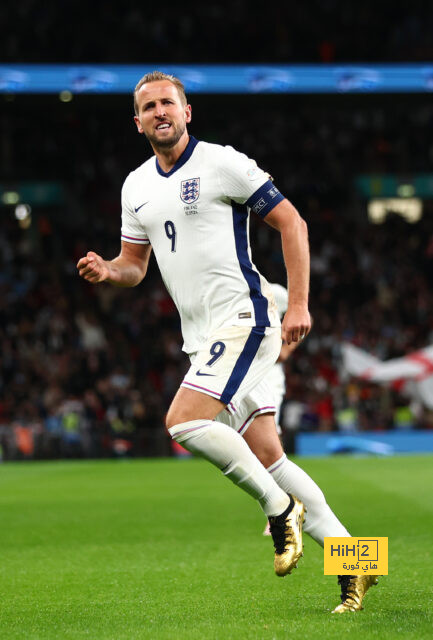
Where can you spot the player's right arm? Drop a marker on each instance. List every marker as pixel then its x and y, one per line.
pixel 127 270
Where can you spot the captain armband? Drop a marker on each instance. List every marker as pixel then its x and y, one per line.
pixel 264 199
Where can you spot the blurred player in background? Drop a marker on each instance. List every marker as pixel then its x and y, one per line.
pixel 191 204
pixel 276 377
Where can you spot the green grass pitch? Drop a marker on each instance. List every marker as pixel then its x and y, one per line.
pixel 169 549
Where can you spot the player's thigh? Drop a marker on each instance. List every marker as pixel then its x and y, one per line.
pixel 254 419
pixel 262 438
pixel 192 405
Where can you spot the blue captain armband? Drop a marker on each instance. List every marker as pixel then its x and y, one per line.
pixel 264 199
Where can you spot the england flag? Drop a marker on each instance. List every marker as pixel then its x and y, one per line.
pixel 414 371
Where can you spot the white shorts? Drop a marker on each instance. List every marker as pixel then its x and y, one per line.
pixel 232 366
pixel 257 402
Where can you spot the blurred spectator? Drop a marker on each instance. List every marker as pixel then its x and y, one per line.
pixel 316 31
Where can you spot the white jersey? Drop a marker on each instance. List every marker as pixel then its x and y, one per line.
pixel 196 218
pixel 281 296
pixel 276 377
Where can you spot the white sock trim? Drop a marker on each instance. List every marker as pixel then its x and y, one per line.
pixel 277 464
pixel 186 427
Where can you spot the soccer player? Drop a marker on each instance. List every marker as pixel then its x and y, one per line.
pixel 191 204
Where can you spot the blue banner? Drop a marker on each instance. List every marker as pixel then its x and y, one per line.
pixel 365 442
pixel 231 79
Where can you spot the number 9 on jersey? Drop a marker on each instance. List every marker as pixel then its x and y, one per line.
pixel 170 230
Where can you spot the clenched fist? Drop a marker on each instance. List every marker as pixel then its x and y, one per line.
pixel 296 323
pixel 93 268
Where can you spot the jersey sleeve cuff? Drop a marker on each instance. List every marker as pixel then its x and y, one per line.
pixel 134 239
pixel 264 199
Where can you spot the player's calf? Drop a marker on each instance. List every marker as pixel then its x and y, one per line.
pixel 320 521
pixel 226 449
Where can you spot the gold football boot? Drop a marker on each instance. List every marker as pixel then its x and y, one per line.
pixel 353 590
pixel 286 531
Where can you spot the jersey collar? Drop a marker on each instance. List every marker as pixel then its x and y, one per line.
pixel 181 160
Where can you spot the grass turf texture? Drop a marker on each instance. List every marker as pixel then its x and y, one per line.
pixel 170 549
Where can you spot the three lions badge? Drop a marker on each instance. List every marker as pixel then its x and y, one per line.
pixel 190 190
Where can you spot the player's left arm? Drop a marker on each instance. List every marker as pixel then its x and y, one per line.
pixel 294 238
pixel 288 349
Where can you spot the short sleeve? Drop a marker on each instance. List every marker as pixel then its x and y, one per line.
pixel 244 182
pixel 132 230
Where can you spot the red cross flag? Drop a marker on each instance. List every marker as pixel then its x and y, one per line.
pixel 416 367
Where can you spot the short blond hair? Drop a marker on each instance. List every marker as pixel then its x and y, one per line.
pixel 157 76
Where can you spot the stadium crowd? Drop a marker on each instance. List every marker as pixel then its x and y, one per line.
pixel 90 371
pixel 216 32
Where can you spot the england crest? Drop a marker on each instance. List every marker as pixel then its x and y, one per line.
pixel 190 190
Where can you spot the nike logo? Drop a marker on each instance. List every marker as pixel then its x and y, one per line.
pixel 142 205
pixel 199 373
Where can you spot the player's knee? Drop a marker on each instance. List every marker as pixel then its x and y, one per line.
pixel 268 455
pixel 177 415
pixel 171 419
pixel 269 452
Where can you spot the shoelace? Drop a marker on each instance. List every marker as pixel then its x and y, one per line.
pixel 344 582
pixel 280 533
pixel 280 529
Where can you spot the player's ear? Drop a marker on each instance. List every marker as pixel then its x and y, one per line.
pixel 137 122
pixel 188 113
